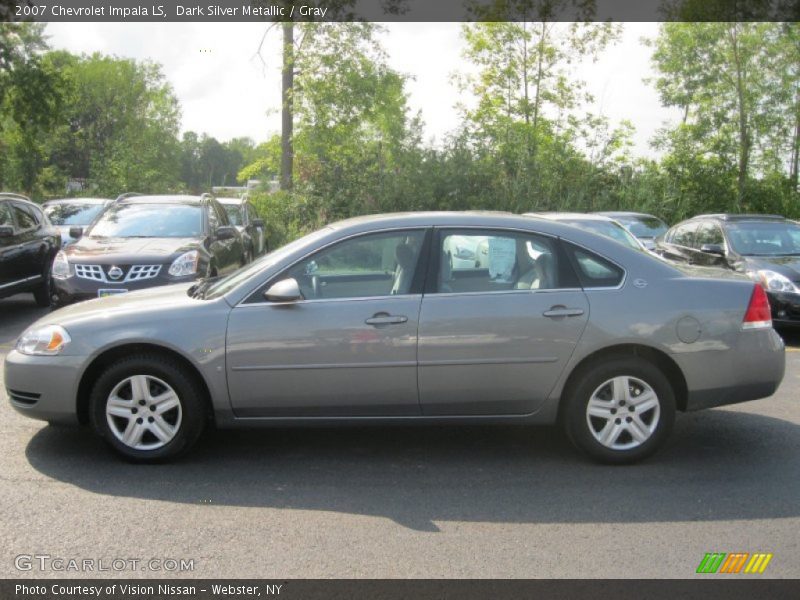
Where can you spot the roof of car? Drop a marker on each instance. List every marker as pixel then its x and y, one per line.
pixel 740 217
pixel 13 196
pixel 165 199
pixel 231 200
pixel 76 201
pixel 624 213
pixel 567 216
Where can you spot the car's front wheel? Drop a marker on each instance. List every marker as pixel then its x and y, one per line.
pixel 620 410
pixel 148 408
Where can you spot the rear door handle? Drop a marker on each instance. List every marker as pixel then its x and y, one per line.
pixel 563 311
pixel 385 319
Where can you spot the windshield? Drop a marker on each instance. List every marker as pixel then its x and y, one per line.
pixel 764 239
pixel 222 286
pixel 72 213
pixel 234 214
pixel 644 227
pixel 150 220
pixel 607 228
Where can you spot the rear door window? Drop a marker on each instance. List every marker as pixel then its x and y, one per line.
pixel 593 270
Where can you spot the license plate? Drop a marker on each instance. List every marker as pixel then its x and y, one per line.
pixel 110 292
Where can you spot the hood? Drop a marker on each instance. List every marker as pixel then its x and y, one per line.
pixel 788 266
pixel 92 250
pixel 134 303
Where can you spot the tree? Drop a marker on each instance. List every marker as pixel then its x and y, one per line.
pixel 114 125
pixel 722 76
pixel 526 97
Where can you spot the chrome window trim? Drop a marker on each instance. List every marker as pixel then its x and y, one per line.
pixel 318 300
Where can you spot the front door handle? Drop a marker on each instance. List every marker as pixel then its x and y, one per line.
pixel 386 319
pixel 563 311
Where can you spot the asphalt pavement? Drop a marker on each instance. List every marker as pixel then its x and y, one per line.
pixel 401 502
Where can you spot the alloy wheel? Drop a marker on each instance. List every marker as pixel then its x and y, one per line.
pixel 143 412
pixel 623 413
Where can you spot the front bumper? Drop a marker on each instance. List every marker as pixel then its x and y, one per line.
pixel 785 308
pixel 75 288
pixel 44 387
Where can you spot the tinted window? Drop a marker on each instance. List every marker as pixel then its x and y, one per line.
pixel 234 214
pixel 5 215
pixel 222 216
pixel 372 265
pixel 497 261
pixel 643 226
pixel 709 233
pixel 25 216
pixel 594 271
pixel 251 212
pixel 149 220
pixel 72 213
pixel 683 235
pixel 764 239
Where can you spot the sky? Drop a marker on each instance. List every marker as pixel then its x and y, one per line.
pixel 227 90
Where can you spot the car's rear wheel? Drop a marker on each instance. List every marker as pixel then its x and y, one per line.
pixel 148 408
pixel 620 410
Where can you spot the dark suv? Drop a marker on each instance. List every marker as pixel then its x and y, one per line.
pixel 766 248
pixel 146 241
pixel 244 217
pixel 28 244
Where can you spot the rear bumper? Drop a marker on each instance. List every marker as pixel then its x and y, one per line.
pixel 44 387
pixel 753 369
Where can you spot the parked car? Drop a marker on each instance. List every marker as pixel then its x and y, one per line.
pixel 28 244
pixel 146 241
pixel 366 322
pixel 646 228
pixel 67 213
pixel 593 222
pixel 766 248
pixel 242 215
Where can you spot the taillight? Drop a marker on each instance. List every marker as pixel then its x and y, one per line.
pixel 758 315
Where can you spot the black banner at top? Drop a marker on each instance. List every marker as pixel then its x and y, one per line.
pixel 397 10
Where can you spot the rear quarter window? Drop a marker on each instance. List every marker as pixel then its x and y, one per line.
pixel 594 271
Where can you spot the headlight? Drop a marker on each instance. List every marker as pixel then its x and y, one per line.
pixel 185 264
pixel 772 281
pixel 48 340
pixel 61 266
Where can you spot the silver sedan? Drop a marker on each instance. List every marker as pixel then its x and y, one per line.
pixel 375 321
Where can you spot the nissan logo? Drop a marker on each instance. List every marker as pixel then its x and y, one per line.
pixel 115 272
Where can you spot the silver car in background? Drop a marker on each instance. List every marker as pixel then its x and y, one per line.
pixel 372 321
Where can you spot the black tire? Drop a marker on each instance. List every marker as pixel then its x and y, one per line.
pixel 190 396
pixel 581 428
pixel 43 294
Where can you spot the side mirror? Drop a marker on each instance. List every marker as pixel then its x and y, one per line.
pixel 6 231
pixel 285 290
pixel 75 232
pixel 713 249
pixel 258 222
pixel 225 232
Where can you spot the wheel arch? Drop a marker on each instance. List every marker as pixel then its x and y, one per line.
pixel 659 358
pixel 108 356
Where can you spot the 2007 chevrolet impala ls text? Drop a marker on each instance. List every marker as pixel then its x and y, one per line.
pixel 425 317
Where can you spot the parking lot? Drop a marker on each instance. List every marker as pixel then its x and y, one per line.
pixel 407 502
